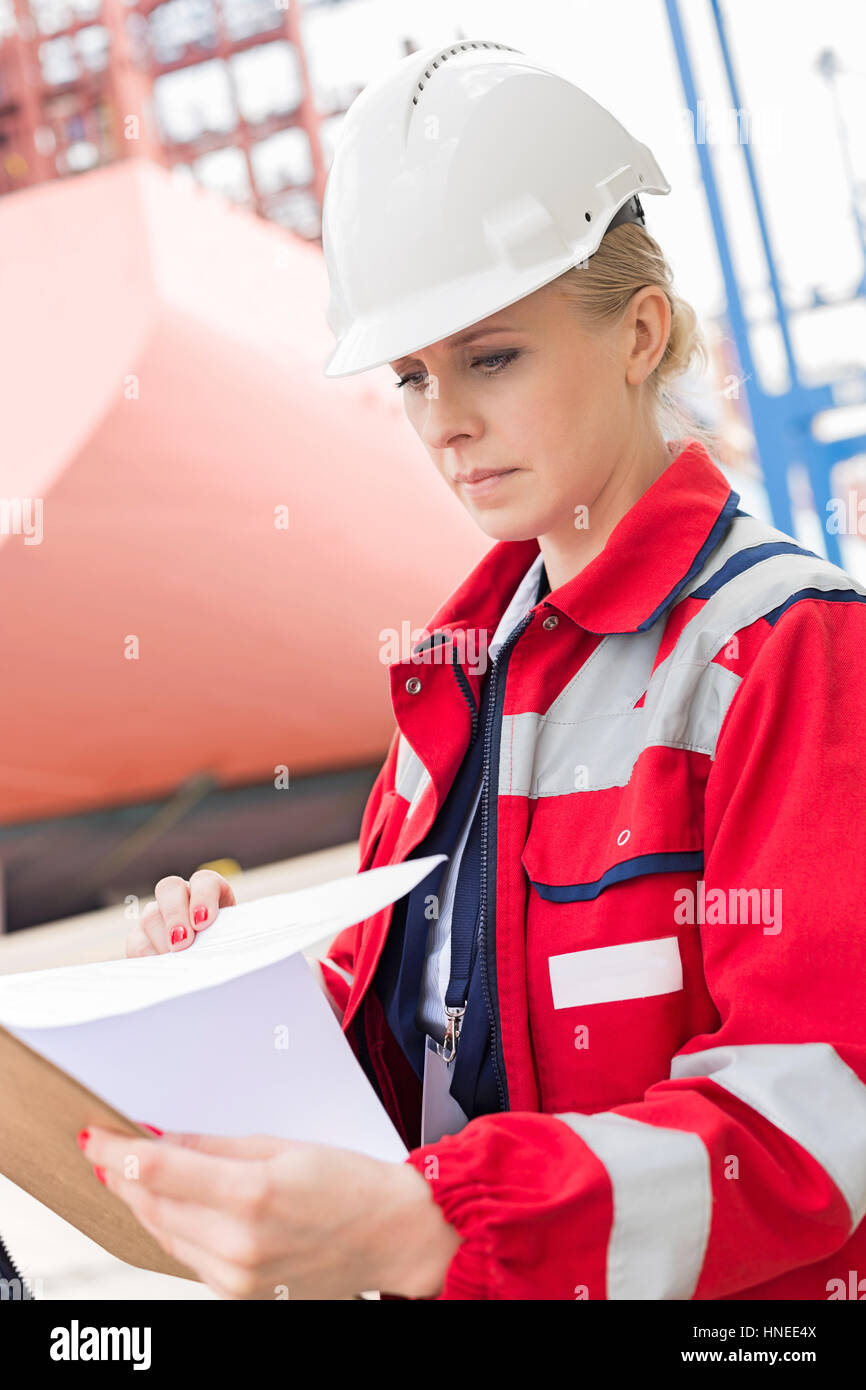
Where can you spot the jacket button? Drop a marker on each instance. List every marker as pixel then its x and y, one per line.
pixel 413 685
pixel 550 621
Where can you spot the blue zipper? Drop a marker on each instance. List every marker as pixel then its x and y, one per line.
pixel 466 689
pixel 487 941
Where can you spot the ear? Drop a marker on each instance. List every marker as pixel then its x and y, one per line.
pixel 649 316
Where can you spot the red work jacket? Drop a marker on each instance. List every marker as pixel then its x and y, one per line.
pixel 673 915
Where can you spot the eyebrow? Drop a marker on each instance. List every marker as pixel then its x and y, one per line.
pixel 469 337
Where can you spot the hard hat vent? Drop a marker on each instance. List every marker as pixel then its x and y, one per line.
pixel 445 53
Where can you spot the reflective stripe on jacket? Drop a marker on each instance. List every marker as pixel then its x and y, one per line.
pixel 672 913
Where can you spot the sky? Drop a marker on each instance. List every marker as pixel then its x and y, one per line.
pixel 622 54
pixel 775 45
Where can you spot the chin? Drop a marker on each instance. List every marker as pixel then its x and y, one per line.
pixel 501 526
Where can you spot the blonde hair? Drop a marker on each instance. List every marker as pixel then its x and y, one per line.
pixel 600 288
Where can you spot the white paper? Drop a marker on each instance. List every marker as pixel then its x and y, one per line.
pixel 259 1054
pixel 232 1036
pixel 242 938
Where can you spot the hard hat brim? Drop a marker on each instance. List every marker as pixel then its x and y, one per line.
pixel 427 317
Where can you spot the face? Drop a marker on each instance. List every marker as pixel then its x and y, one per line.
pixel 541 403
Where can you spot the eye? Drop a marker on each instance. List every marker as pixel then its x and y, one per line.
pixel 497 362
pixel 491 365
pixel 409 381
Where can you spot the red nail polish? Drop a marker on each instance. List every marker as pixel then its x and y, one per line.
pixel 82 1137
pixel 100 1173
pixel 178 935
pixel 200 915
pixel 153 1129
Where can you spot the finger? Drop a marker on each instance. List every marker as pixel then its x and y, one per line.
pixel 246 1146
pixel 154 928
pixel 208 892
pixel 239 1241
pixel 175 1170
pixel 242 1146
pixel 172 896
pixel 231 1282
pixel 212 1269
pixel 138 943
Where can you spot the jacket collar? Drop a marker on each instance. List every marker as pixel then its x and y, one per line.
pixel 651 554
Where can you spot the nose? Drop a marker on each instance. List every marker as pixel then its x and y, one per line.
pixel 446 418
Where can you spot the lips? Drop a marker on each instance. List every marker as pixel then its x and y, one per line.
pixel 479 477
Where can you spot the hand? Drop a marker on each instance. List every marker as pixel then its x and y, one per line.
pixel 178 904
pixel 260 1217
pixel 181 909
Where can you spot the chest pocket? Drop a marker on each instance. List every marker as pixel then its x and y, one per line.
pixel 584 844
pixel 613 976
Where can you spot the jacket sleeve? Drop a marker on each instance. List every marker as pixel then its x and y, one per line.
pixel 750 1160
pixel 338 965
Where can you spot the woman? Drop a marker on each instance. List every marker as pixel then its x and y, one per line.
pixel 622 1032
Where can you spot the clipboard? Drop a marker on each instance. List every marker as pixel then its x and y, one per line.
pixel 47 1162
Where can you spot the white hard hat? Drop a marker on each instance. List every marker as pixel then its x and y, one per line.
pixel 466 178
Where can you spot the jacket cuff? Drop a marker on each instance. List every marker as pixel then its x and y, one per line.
pixel 469 1272
pixel 532 1202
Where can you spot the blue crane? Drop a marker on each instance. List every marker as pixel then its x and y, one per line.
pixel 782 422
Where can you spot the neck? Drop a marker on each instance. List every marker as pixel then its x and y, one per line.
pixel 569 549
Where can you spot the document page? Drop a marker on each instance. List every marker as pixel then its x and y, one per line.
pixel 231 1036
pixel 242 939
